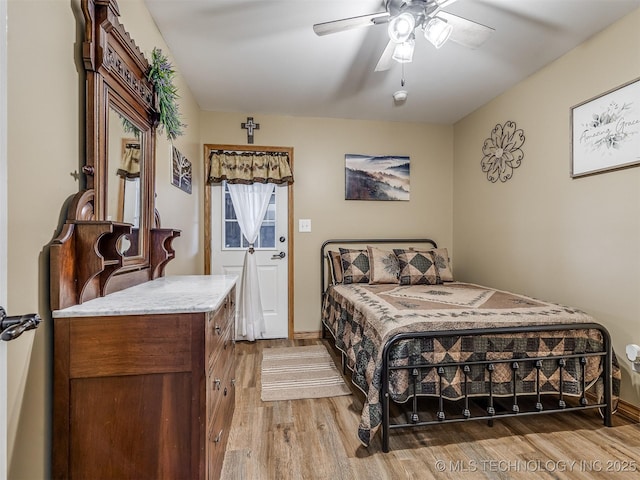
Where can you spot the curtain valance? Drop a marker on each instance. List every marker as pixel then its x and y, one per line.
pixel 249 167
pixel 130 162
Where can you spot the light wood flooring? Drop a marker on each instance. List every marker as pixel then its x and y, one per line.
pixel 316 439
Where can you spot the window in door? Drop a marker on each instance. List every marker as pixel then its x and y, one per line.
pixel 233 237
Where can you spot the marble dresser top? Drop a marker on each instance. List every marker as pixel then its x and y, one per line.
pixel 174 294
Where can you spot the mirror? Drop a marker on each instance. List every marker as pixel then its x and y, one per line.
pixel 124 176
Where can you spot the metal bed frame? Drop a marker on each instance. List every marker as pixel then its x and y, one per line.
pixel 415 417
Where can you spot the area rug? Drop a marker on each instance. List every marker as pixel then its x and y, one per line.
pixel 290 373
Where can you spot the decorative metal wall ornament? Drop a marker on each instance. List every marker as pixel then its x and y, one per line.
pixel 502 153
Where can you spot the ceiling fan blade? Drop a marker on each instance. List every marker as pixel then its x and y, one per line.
pixel 348 23
pixel 445 3
pixel 466 32
pixel 386 58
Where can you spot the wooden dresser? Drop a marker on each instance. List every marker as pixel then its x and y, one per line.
pixel 144 381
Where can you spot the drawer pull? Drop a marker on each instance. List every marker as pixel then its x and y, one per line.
pixel 216 384
pixel 225 392
pixel 218 329
pixel 233 382
pixel 218 437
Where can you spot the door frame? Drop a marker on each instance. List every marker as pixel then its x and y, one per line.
pixel 208 234
pixel 4 237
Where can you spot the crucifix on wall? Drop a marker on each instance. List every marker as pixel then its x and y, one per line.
pixel 250 126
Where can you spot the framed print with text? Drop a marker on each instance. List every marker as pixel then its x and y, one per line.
pixel 605 131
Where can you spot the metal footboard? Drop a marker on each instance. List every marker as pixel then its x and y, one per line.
pixel 415 416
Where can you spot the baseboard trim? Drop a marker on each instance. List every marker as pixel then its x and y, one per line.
pixel 628 411
pixel 307 335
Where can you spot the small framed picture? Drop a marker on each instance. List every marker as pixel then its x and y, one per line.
pixel 181 171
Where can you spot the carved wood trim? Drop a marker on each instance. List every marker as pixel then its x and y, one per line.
pixel 162 251
pixel 137 85
pixel 105 38
pixel 84 256
pixel 82 207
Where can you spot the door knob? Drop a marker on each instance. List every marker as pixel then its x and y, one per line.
pixel 13 327
pixel 278 256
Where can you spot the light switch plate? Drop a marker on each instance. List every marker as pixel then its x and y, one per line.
pixel 304 225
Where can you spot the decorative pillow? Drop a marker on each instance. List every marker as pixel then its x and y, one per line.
pixel 417 268
pixel 335 266
pixel 355 265
pixel 441 257
pixel 383 266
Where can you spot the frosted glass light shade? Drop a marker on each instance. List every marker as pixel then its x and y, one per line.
pixel 437 31
pixel 403 53
pixel 401 27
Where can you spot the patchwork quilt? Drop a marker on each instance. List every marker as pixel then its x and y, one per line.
pixel 362 318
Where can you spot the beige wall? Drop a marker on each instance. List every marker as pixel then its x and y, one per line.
pixel 541 210
pixel 319 148
pixel 45 153
pixel 541 233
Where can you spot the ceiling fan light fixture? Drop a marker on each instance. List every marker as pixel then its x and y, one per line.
pixel 401 27
pixel 437 31
pixel 403 52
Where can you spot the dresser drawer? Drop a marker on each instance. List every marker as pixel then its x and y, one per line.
pixel 224 346
pixel 216 329
pixel 221 393
pixel 220 375
pixel 217 436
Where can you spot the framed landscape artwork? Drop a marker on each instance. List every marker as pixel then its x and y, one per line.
pixel 370 177
pixel 605 131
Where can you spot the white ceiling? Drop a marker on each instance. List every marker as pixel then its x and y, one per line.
pixel 262 56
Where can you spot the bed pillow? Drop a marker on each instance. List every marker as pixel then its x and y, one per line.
pixel 335 266
pixel 383 266
pixel 355 265
pixel 443 263
pixel 417 267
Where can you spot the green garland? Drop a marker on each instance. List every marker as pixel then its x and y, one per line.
pixel 129 127
pixel 161 76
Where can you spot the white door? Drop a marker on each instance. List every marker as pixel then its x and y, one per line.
pixel 271 250
pixel 3 233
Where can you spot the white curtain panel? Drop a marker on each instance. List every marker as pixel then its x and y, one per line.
pixel 250 203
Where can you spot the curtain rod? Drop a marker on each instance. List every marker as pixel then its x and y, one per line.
pixel 250 152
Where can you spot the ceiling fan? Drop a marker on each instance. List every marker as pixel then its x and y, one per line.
pixel 404 18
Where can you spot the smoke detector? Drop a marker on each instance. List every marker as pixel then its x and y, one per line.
pixel 400 96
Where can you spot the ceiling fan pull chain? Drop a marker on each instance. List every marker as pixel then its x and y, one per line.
pixel 402 79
